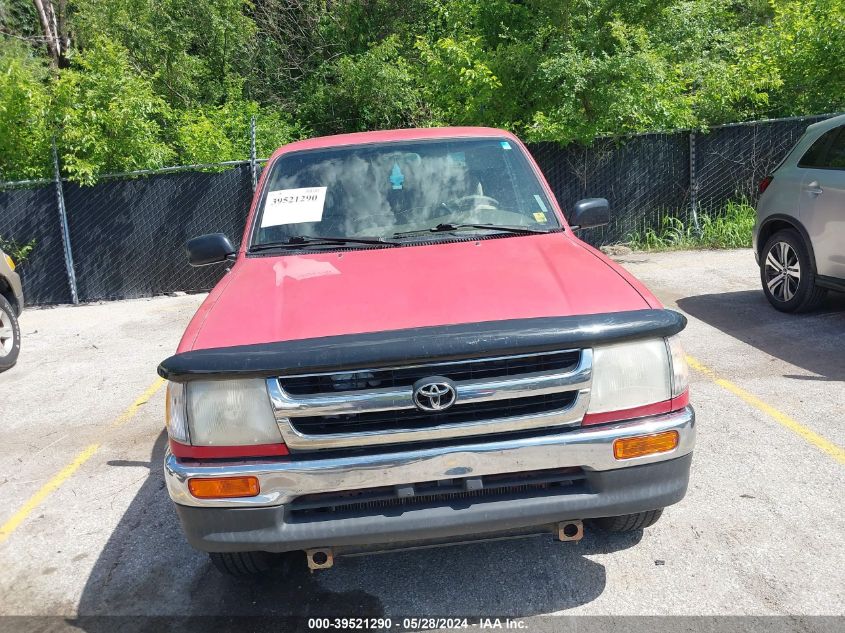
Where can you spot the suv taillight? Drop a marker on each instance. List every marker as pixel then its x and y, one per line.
pixel 764 184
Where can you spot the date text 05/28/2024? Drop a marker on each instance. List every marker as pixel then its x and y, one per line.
pixel 414 623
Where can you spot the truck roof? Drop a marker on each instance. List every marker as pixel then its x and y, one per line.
pixel 386 136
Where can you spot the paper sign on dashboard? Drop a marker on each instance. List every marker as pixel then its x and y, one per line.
pixel 294 206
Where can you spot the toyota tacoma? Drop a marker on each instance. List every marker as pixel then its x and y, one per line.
pixel 412 346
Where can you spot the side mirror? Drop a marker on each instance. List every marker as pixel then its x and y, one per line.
pixel 589 212
pixel 209 249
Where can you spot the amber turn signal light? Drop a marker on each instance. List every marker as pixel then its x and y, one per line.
pixel 224 487
pixel 628 447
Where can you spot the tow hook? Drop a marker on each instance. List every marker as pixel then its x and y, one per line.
pixel 322 558
pixel 570 531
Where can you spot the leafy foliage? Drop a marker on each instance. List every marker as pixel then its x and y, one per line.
pixel 24 114
pixel 151 82
pixel 17 251
pixel 456 79
pixel 110 116
pixel 370 90
pixel 806 46
pixel 221 133
pixel 191 50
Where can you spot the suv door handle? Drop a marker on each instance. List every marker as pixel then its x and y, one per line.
pixel 813 188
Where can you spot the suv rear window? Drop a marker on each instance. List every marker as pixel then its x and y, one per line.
pixel 820 157
pixel 835 158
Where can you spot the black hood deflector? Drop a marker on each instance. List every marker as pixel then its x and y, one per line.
pixel 414 346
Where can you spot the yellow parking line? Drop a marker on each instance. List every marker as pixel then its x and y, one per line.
pixel 35 500
pixel 142 400
pixel 65 473
pixel 820 442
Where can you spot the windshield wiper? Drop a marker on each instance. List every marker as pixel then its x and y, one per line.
pixel 445 227
pixel 296 241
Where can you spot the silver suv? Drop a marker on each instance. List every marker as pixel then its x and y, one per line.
pixel 799 237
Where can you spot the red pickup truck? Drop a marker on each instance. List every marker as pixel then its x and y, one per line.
pixel 412 346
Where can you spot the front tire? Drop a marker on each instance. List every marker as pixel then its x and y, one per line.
pixel 242 563
pixel 786 273
pixel 10 335
pixel 629 522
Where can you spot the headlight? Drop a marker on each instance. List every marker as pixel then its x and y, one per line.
pixel 680 369
pixel 222 413
pixel 630 374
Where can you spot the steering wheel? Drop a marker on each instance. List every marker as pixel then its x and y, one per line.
pixel 475 200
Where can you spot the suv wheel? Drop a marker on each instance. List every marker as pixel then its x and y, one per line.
pixel 629 522
pixel 10 335
pixel 787 274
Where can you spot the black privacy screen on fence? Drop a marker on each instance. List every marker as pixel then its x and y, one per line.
pixel 27 214
pixel 732 160
pixel 642 178
pixel 128 235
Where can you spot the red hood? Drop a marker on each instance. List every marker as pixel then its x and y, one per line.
pixel 267 299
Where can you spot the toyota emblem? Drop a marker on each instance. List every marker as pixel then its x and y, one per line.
pixel 434 394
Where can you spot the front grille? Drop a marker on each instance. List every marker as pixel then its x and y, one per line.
pixel 456 493
pixel 407 376
pixel 409 419
pixel 378 407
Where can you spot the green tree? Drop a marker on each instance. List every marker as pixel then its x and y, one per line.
pixel 222 133
pixel 152 82
pixel 805 43
pixel 192 50
pixel 109 117
pixel 370 90
pixel 24 114
pixel 457 80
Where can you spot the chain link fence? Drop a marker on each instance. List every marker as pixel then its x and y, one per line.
pixel 128 236
pixel 127 233
pixel 32 214
pixel 642 177
pixel 731 161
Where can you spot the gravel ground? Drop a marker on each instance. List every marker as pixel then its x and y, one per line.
pixel 760 532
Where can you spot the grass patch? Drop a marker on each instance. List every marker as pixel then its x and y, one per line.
pixel 730 229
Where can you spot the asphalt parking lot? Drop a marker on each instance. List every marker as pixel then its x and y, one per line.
pixel 88 529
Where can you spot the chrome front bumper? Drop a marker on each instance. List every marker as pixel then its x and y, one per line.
pixel 590 448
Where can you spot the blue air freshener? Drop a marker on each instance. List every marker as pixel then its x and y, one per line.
pixel 396 177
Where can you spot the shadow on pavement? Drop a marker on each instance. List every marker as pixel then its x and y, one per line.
pixel 812 341
pixel 148 569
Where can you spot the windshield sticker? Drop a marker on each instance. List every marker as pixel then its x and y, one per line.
pixel 396 177
pixel 294 206
pixel 506 145
pixel 541 203
pixel 540 217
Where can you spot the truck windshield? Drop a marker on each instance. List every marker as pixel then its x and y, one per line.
pixel 407 191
